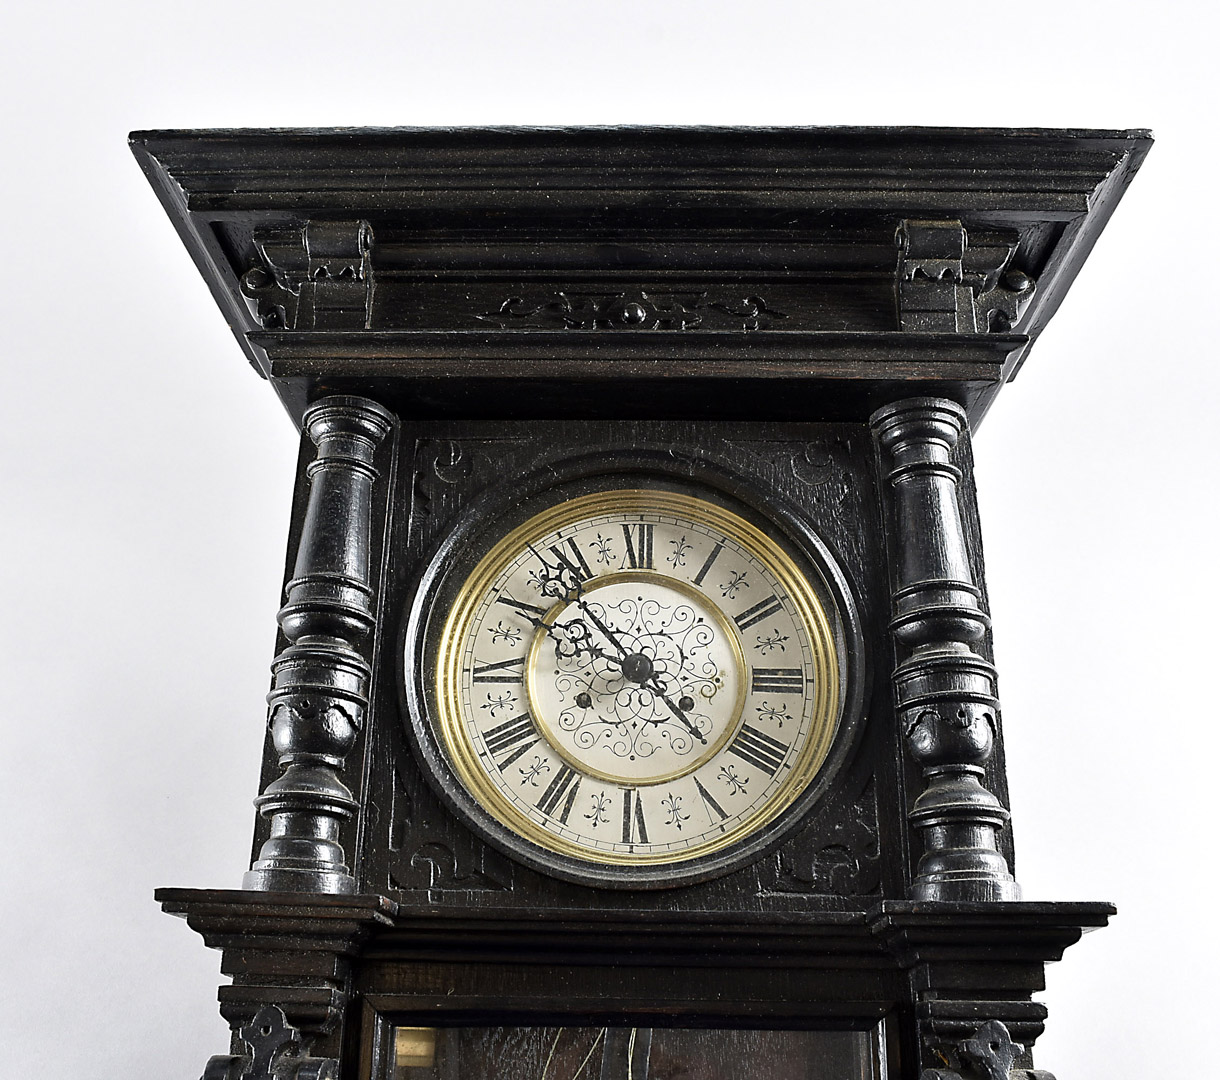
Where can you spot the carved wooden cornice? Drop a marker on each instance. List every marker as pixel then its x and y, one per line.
pixel 765 264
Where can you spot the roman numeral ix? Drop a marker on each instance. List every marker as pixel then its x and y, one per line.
pixel 526 608
pixel 499 672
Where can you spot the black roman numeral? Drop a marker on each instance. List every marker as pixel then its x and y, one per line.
pixel 709 802
pixel 505 736
pixel 707 564
pixel 634 828
pixel 764 609
pixel 566 782
pixel 580 568
pixel 499 673
pixel 527 608
pixel 759 750
pixel 777 680
pixel 638 539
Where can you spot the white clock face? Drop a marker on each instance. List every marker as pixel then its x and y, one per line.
pixel 637 677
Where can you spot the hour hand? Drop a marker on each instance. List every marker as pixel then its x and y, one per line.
pixel 574 640
pixel 559 580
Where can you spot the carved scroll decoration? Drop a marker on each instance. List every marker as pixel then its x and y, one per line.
pixel 945 692
pixel 952 282
pixel 315 276
pixel 320 692
pixel 836 857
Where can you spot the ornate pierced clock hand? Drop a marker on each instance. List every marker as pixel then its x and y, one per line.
pixel 656 689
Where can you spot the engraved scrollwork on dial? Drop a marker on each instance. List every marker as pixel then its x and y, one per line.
pixel 642 672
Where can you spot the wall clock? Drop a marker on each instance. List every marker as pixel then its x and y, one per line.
pixel 633 686
pixel 635 709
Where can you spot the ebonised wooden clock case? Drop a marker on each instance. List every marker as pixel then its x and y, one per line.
pixel 799 327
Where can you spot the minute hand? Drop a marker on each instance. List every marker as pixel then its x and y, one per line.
pixel 607 633
pixel 656 689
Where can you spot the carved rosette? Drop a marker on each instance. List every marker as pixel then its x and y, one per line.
pixel 320 691
pixel 945 693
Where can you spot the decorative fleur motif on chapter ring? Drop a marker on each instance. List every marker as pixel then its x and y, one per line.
pixel 501 701
pixel 598 812
pixel 776 713
pixel 735 783
pixel 678 558
pixel 737 580
pixel 771 642
pixel 530 774
pixel 604 548
pixel 673 807
pixel 500 632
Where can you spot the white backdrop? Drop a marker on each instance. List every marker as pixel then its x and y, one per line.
pixel 147 470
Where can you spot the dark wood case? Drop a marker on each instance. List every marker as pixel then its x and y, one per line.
pixel 810 322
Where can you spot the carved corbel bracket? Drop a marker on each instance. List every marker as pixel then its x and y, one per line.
pixel 289 956
pixel 989 1054
pixel 274 1051
pixel 954 282
pixel 313 276
pixel 974 969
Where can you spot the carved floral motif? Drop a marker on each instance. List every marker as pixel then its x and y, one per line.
pixel 838 858
pixel 634 310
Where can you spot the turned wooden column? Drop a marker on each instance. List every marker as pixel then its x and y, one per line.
pixel 945 692
pixel 319 695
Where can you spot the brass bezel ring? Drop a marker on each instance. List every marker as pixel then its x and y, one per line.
pixel 823 722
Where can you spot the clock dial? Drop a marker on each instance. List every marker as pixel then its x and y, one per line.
pixel 637 677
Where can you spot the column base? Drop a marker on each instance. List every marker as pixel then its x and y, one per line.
pixel 328 882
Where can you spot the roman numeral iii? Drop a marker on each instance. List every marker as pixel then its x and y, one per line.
pixel 777 680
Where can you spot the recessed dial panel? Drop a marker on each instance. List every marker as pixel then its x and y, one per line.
pixel 637 677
